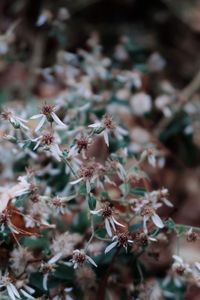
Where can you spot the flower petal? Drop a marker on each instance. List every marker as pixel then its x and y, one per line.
pixel 88 186
pixel 24 293
pixel 57 120
pixel 36 116
pixel 10 292
pixel 178 258
pixel 105 135
pixel 157 221
pixel 40 124
pixel 119 224
pixel 14 290
pixel 110 247
pixel 44 283
pixel 95 125
pixel 108 228
pixel 91 261
pixel 76 181
pixel 55 258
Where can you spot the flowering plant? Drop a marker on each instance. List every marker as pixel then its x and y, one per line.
pixel 84 211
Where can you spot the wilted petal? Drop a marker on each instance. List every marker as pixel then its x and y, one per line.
pixel 110 247
pixel 157 221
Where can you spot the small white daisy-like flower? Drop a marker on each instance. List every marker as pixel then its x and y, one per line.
pixel 48 114
pixel 120 240
pixel 88 174
pixel 160 196
pixel 110 221
pixel 16 122
pixel 180 267
pixel 106 125
pixel 7 282
pixel 79 258
pixel 148 213
pixel 47 268
pixel 154 157
pixel 48 142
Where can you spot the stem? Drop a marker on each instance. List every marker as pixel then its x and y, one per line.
pixel 92 235
pixel 140 271
pixel 70 167
pixel 187 227
pixel 103 283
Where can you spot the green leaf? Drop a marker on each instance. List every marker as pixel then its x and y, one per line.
pixel 35 242
pixel 21 199
pixel 91 202
pixel 139 191
pixel 64 272
pixel 101 232
pixel 125 188
pixel 135 227
pixel 170 224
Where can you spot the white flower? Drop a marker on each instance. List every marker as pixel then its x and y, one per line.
pixel 79 258
pixel 48 267
pixel 179 266
pixel 47 140
pixel 148 213
pixel 121 240
pixel 141 103
pixel 49 115
pixel 107 125
pixel 153 156
pixel 88 174
pixel 160 196
pixel 6 281
pixel 110 221
pixel 16 122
